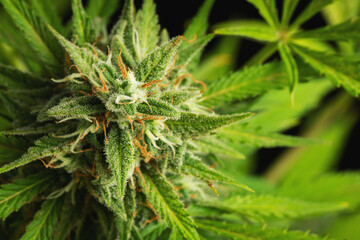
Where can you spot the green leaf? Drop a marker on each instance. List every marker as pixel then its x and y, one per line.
pixel 100 8
pixel 157 108
pixel 156 64
pixel 189 51
pixel 120 156
pixel 343 71
pixel 262 207
pixel 313 7
pixel 12 148
pixel 82 57
pixel 13 78
pixel 127 16
pixel 289 7
pixel 194 166
pixel 343 31
pixel 147 27
pixel 44 147
pixel 291 67
pixel 45 221
pixel 109 197
pixel 31 130
pixel 250 29
pixel 262 139
pixel 245 232
pixel 163 198
pixel 35 32
pixel 82 25
pixel 267 9
pixel 125 226
pixel 245 83
pixel 76 107
pixel 213 144
pixel 14 195
pixel 336 187
pixel 117 40
pixel 199 23
pixel 153 231
pixel 195 125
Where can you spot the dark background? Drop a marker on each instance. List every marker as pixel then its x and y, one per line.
pixel 174 15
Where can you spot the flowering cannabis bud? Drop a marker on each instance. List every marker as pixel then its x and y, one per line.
pixel 117 124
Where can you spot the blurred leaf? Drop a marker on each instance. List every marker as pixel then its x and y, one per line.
pixel 267 9
pixel 250 29
pixel 343 71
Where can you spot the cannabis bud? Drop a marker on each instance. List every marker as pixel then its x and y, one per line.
pixel 117 121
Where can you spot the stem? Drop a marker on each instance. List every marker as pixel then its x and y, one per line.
pixel 261 56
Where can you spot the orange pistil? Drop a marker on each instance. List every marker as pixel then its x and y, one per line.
pixel 85 150
pixel 163 86
pixel 151 220
pixel 48 165
pixel 85 93
pixel 130 121
pixel 94 50
pixel 109 50
pixel 78 69
pixel 137 170
pixel 148 84
pixel 184 38
pixel 179 79
pixel 122 65
pixel 104 87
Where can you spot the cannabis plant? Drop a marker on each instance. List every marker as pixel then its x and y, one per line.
pixel 115 134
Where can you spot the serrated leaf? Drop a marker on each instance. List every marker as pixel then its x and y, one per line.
pixel 262 139
pixel 244 83
pixel 108 195
pixel 157 108
pixel 147 27
pixel 13 78
pixel 189 51
pixel 120 156
pixel 245 232
pixel 291 67
pixel 343 71
pixel 35 32
pixel 31 130
pixel 156 64
pixel 289 7
pixel 130 39
pixel 313 7
pixel 12 147
pixel 153 231
pixel 337 187
pixel 199 23
pixel 125 226
pixel 343 31
pixel 267 9
pixel 45 221
pixel 163 198
pixel 118 43
pixel 76 107
pixel 14 195
pixel 194 125
pixel 215 145
pixel 83 29
pixel 82 57
pixel 176 98
pixel 268 206
pixel 250 29
pixel 44 147
pixel 194 166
